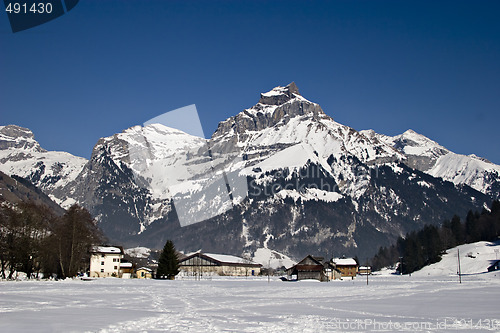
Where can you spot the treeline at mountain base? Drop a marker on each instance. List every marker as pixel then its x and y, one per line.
pixel 421 248
pixel 39 243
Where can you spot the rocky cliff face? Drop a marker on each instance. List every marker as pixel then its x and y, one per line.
pixel 21 155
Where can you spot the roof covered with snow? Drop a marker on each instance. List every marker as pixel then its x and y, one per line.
pixel 223 258
pixel 344 262
pixel 107 249
pixel 144 269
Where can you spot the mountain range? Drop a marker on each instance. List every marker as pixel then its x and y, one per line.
pixel 280 175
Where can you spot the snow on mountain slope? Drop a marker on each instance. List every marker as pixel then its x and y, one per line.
pixel 413 143
pixel 138 252
pixel 479 174
pixel 21 154
pixel 273 259
pixel 428 156
pixel 158 154
pixel 309 183
pixel 313 182
pixel 475 258
pixel 285 130
pixel 282 118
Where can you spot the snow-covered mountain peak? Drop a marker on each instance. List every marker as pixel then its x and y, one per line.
pixel 474 156
pixel 51 171
pixel 138 144
pixel 16 137
pixel 414 143
pixel 430 157
pixel 280 95
pixel 157 128
pixel 275 108
pixel 420 151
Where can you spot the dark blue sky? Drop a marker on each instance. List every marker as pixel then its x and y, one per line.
pixel 432 66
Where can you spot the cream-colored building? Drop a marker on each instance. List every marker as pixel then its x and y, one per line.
pixel 347 266
pixel 105 261
pixel 144 273
pixel 199 264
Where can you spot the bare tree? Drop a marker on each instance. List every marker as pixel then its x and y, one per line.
pixel 75 235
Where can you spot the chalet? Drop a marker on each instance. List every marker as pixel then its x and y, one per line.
pixel 220 264
pixel 495 266
pixel 313 268
pixel 105 261
pixel 348 267
pixel 144 273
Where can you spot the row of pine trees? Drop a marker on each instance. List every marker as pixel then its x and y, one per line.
pixel 421 248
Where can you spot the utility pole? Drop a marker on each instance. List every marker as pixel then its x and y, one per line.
pixel 268 270
pixel 459 270
pixel 367 272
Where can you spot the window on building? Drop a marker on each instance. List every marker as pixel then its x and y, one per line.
pixel 102 256
pixel 102 262
pixel 116 267
pixel 102 270
pixel 114 259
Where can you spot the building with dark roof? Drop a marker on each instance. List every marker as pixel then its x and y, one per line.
pixel 313 268
pixel 495 266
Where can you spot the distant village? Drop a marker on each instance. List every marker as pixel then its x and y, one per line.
pixel 112 261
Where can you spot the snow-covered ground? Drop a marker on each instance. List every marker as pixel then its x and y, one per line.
pixel 430 300
pixel 388 303
pixel 474 258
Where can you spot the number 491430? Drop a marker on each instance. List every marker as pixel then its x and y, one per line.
pixel 23 8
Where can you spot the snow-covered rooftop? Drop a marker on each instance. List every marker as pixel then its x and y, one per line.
pixel 344 261
pixel 144 269
pixel 107 249
pixel 229 259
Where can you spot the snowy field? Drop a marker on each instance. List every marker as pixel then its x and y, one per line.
pixel 388 303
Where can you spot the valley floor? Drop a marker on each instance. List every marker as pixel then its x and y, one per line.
pixel 388 303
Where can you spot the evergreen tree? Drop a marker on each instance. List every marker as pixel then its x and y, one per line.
pixel 431 243
pixel 168 264
pixel 495 207
pixel 471 232
pixel 458 230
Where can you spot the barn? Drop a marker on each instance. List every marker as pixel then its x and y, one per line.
pixel 313 268
pixel 198 264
